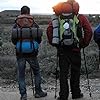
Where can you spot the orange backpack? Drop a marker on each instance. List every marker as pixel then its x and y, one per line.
pixel 66 7
pixel 24 21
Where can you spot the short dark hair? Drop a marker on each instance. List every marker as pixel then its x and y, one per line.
pixel 25 10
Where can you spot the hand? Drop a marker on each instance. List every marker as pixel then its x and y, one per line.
pixel 82 44
pixel 56 73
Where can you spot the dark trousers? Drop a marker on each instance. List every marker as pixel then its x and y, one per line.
pixel 99 52
pixel 69 60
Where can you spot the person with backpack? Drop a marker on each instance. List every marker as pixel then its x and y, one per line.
pixel 26 36
pixel 69 32
pixel 96 38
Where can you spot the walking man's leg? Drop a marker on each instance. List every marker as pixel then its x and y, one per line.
pixel 64 70
pixel 75 75
pixel 37 77
pixel 21 77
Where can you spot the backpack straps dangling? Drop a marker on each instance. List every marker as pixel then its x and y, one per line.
pixel 20 40
pixel 74 28
pixel 31 38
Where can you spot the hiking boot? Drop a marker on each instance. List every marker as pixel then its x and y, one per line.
pixel 24 97
pixel 40 94
pixel 60 99
pixel 77 96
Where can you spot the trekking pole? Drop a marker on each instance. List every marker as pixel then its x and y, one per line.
pixel 32 80
pixel 57 64
pixel 87 74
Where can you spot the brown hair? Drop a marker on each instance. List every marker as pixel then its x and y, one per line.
pixel 25 10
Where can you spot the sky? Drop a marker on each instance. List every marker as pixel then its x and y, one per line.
pixel 45 6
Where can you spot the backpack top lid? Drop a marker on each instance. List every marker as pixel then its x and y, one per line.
pixel 24 20
pixel 70 6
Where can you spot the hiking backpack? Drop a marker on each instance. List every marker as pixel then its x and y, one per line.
pixel 97 34
pixel 64 30
pixel 65 27
pixel 68 30
pixel 26 34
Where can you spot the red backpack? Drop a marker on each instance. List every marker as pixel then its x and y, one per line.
pixel 49 32
pixel 24 21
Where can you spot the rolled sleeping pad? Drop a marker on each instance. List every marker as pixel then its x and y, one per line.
pixel 26 33
pixel 55 22
pixel 27 46
pixel 66 7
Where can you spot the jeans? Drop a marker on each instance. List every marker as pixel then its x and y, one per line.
pixel 21 73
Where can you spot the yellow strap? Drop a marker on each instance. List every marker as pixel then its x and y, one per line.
pixel 74 29
pixel 61 28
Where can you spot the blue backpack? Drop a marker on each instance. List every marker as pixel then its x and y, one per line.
pixel 97 34
pixel 27 46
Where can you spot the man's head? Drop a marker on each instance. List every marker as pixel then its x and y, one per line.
pixel 25 10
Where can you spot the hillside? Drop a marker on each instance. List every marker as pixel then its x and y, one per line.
pixel 47 56
pixel 47 53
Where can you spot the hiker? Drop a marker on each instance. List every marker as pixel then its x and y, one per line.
pixel 69 32
pixel 97 39
pixel 26 36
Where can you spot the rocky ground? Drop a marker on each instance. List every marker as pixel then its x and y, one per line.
pixel 11 92
pixel 9 89
pixel 47 59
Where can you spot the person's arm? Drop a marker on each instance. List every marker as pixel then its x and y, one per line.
pixel 35 24
pixel 49 32
pixel 14 41
pixel 15 25
pixel 87 31
pixel 39 39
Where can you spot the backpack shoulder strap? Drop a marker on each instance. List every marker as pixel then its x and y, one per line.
pixel 79 27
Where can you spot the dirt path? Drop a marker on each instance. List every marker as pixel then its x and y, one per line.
pixel 16 96
pixel 13 94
